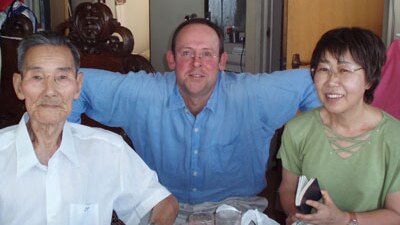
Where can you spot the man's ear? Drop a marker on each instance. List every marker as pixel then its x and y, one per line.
pixel 171 60
pixel 17 83
pixel 222 61
pixel 79 80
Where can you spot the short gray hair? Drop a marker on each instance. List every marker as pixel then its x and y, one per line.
pixel 45 38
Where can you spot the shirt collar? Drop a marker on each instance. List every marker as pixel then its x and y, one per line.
pixel 67 146
pixel 176 100
pixel 26 157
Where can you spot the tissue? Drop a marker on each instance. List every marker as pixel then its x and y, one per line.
pixel 253 216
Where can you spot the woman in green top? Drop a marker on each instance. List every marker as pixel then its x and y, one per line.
pixel 351 147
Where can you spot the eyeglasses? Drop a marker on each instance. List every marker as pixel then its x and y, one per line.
pixel 187 54
pixel 342 70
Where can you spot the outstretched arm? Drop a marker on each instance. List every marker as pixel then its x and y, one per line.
pixel 97 94
pixel 104 97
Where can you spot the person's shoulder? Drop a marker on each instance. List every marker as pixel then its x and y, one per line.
pixel 388 132
pixel 95 134
pixel 165 77
pixel 8 130
pixel 391 124
pixel 303 120
pixel 7 136
pixel 391 119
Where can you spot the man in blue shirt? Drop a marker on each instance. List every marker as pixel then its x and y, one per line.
pixel 205 131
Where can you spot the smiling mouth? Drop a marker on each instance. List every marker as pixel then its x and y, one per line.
pixel 334 96
pixel 196 75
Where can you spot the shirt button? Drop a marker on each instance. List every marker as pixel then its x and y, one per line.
pixel 194 173
pixel 196 152
pixel 196 130
pixel 194 189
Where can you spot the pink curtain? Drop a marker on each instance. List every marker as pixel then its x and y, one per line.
pixel 387 94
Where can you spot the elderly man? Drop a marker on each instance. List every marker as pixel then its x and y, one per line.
pixel 206 132
pixel 55 172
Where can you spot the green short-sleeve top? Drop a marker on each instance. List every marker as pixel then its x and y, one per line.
pixel 359 183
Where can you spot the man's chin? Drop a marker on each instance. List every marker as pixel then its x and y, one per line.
pixel 49 116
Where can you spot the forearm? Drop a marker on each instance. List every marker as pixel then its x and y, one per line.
pixel 287 192
pixel 165 212
pixel 288 206
pixel 390 214
pixel 287 203
pixel 381 216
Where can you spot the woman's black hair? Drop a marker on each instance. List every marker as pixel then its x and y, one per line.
pixel 366 48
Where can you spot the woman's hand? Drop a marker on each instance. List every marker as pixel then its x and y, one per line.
pixel 327 213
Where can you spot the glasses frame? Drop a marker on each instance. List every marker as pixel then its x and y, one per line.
pixel 336 72
pixel 181 55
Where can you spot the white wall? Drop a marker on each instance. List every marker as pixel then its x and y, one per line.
pixel 134 15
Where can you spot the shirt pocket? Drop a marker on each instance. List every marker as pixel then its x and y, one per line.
pixel 224 158
pixel 84 214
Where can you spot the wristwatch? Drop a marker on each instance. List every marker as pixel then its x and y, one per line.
pixel 353 219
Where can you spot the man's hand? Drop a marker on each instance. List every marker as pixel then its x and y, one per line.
pixel 165 212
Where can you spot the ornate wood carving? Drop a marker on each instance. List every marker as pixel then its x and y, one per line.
pixel 12 31
pixel 99 37
pixel 94 30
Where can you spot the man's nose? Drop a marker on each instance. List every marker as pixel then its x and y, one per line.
pixel 50 84
pixel 197 60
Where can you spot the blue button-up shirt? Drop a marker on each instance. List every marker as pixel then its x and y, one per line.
pixel 221 152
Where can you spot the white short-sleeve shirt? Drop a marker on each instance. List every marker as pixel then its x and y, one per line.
pixel 93 172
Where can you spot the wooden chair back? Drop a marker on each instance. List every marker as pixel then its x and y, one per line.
pixel 11 33
pixel 103 44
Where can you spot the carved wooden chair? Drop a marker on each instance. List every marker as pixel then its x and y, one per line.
pixel 103 44
pixel 11 33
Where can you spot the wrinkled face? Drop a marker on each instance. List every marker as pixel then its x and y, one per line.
pixel 49 83
pixel 340 83
pixel 196 60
